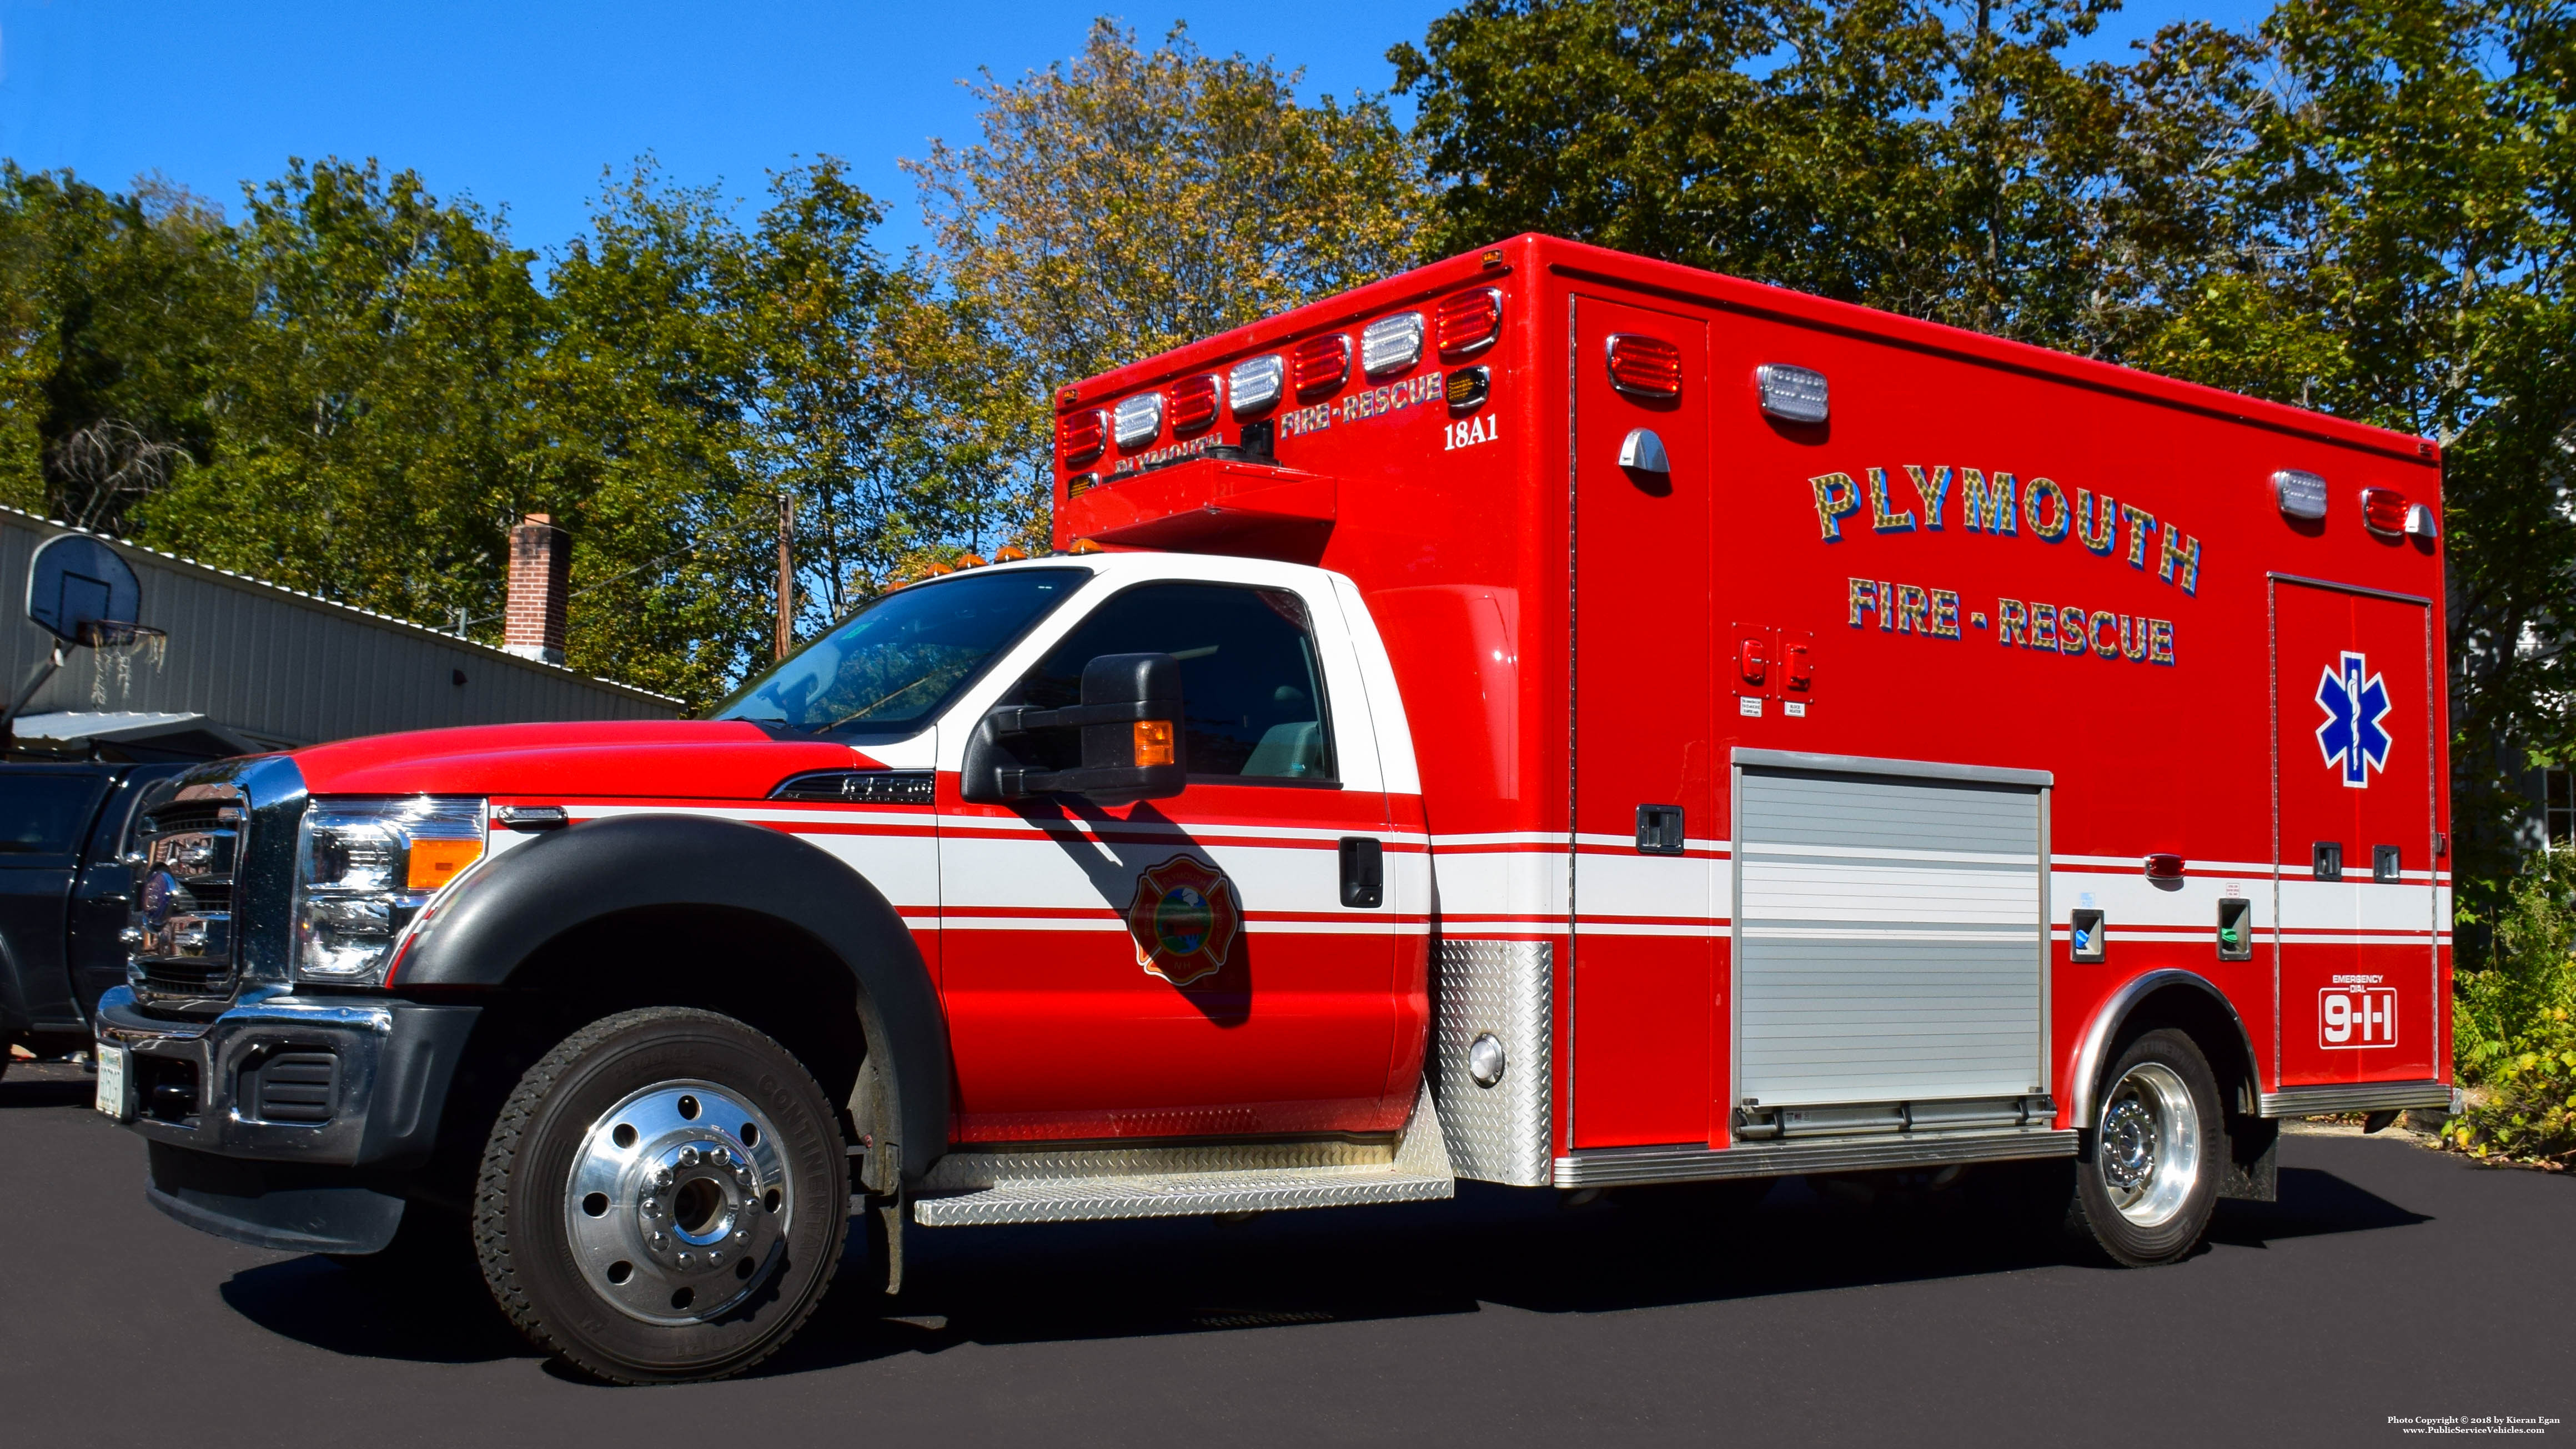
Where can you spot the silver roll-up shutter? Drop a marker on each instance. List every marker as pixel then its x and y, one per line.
pixel 1890 933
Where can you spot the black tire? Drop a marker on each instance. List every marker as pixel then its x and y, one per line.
pixel 557 1122
pixel 2137 1199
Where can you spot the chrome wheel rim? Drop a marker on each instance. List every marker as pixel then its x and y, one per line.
pixel 2149 1145
pixel 678 1204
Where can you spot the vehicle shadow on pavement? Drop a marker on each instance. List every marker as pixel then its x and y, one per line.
pixel 2312 1203
pixel 409 1313
pixel 1506 1247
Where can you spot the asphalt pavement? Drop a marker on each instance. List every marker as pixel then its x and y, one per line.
pixel 2389 1281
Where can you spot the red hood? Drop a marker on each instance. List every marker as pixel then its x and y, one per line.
pixel 695 759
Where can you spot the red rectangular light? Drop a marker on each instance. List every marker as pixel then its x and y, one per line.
pixel 1646 367
pixel 1320 362
pixel 1081 436
pixel 2384 510
pixel 1468 322
pixel 1194 401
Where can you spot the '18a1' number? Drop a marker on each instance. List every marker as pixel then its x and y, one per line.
pixel 1469 433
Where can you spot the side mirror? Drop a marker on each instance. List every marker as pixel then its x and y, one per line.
pixel 1129 727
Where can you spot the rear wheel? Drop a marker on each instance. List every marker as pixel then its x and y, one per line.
pixel 664 1198
pixel 2145 1192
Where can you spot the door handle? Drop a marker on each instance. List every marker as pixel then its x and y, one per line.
pixel 1363 872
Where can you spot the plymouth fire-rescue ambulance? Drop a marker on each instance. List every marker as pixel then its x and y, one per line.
pixel 1548 718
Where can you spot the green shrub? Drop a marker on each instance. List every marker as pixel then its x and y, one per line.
pixel 2514 1024
pixel 2527 1109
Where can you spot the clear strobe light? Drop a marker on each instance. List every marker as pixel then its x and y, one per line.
pixel 2301 494
pixel 1791 394
pixel 1389 345
pixel 1138 420
pixel 1254 383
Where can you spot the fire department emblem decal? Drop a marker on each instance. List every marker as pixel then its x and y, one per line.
pixel 1185 920
pixel 2353 738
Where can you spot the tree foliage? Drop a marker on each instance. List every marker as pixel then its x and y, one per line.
pixel 1938 160
pixel 2361 206
pixel 358 387
pixel 1127 201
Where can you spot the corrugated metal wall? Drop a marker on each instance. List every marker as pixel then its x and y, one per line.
pixel 285 668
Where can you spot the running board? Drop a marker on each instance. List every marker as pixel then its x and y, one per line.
pixel 1612 1166
pixel 2355 1097
pixel 973 1189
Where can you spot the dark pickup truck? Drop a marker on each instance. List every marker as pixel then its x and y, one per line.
pixel 65 896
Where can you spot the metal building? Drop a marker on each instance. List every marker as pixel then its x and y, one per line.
pixel 251 664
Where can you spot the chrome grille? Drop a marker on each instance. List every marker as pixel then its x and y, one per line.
pixel 186 852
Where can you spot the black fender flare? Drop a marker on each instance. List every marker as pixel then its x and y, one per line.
pixel 512 904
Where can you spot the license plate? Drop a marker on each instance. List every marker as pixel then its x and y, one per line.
pixel 114 1083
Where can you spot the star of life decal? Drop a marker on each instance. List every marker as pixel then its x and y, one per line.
pixel 2353 739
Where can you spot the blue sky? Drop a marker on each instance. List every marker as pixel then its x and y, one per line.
pixel 522 104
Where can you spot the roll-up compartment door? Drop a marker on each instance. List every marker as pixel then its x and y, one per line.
pixel 1891 935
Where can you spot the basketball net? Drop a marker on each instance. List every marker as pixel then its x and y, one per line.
pixel 117 640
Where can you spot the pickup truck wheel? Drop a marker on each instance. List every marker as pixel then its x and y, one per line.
pixel 664 1198
pixel 2146 1190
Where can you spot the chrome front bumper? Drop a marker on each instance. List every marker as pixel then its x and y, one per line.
pixel 370 1077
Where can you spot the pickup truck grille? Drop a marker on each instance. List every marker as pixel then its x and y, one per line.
pixel 185 947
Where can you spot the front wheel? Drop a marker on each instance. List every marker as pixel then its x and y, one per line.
pixel 2147 1189
pixel 664 1198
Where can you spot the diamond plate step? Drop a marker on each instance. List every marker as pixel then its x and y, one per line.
pixel 1088 1184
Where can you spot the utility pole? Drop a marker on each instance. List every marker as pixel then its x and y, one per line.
pixel 786 572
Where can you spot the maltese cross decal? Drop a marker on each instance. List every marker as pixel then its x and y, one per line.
pixel 2352 738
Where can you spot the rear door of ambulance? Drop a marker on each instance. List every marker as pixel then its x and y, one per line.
pixel 2354 755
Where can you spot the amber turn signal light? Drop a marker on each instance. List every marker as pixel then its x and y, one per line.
pixel 436 862
pixel 1153 743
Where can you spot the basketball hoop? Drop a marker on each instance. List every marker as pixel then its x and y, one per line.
pixel 121 640
pixel 118 634
pixel 77 589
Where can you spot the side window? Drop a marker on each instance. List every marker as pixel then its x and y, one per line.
pixel 1252 685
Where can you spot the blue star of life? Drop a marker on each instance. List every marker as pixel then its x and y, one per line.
pixel 2355 701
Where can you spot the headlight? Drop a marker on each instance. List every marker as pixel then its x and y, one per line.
pixel 364 868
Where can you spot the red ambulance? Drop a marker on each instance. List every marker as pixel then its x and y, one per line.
pixel 1548 718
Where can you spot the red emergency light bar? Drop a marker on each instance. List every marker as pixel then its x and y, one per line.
pixel 1081 436
pixel 1467 323
pixel 1194 401
pixel 1647 367
pixel 1320 362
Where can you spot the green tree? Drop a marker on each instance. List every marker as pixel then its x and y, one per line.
pixel 646 381
pixel 1129 200
pixel 2399 250
pixel 112 310
pixel 369 434
pixel 1939 160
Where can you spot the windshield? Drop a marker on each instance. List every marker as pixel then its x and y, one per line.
pixel 890 667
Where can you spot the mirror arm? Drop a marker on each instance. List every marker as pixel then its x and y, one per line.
pixel 1021 720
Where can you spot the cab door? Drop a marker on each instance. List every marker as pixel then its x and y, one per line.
pixel 2354 760
pixel 1645 826
pixel 1189 966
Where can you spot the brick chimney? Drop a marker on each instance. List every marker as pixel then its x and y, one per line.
pixel 540 577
